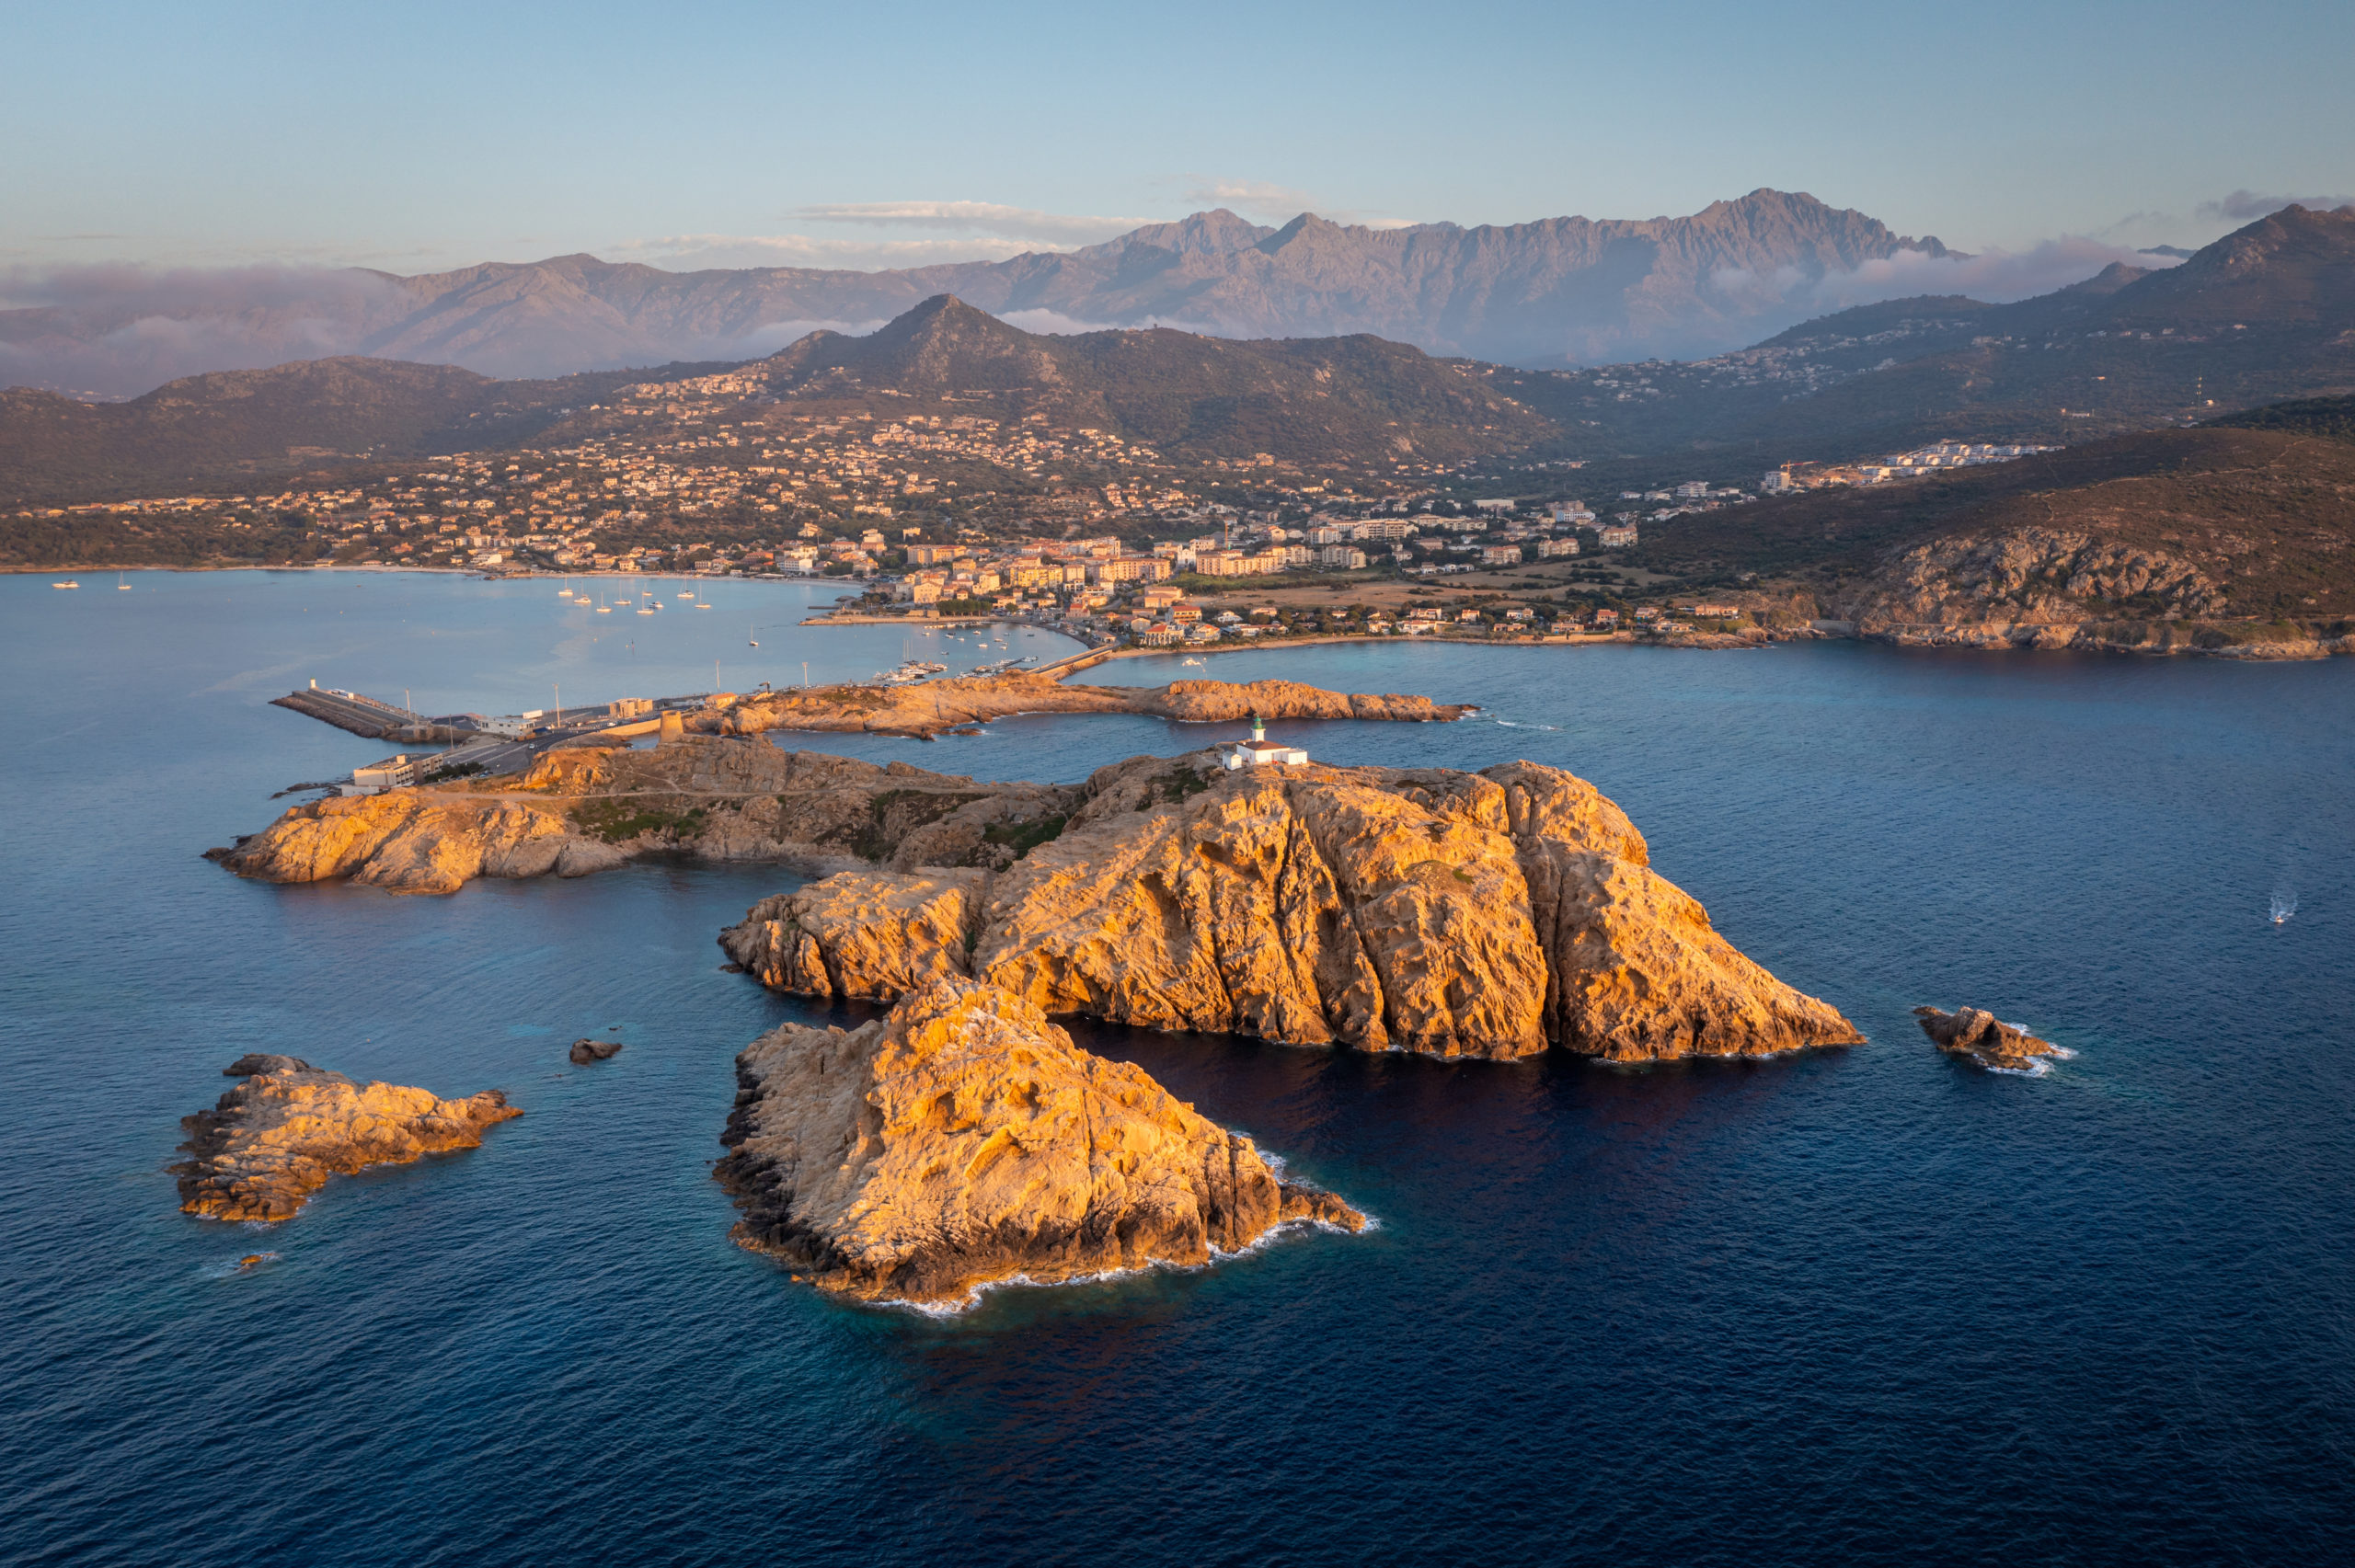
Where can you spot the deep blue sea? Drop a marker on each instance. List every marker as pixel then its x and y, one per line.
pixel 1858 1306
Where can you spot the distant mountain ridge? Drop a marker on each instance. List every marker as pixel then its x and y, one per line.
pixel 1298 399
pixel 1302 398
pixel 1556 291
pixel 2264 314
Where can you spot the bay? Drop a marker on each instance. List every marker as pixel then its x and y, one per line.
pixel 1862 1304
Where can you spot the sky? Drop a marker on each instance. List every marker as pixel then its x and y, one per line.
pixel 419 136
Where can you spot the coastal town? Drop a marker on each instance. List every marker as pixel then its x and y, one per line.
pixel 966 514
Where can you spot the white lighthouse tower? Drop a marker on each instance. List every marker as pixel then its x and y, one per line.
pixel 1259 751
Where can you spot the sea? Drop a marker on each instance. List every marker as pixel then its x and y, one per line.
pixel 1867 1305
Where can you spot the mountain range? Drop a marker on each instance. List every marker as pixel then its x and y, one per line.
pixel 1359 399
pixel 1554 291
pixel 2265 313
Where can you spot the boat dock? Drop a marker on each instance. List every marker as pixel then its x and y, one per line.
pixel 361 716
pixel 488 746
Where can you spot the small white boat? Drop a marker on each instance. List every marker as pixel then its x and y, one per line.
pixel 701 605
pixel 689 594
pixel 749 630
pixel 643 610
pixel 69 582
pixel 122 584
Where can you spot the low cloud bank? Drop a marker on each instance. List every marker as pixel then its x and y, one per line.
pixel 2246 206
pixel 1053 229
pixel 688 253
pixel 118 331
pixel 1998 277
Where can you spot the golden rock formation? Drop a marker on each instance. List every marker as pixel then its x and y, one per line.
pixel 965 1141
pixel 868 935
pixel 1426 910
pixel 276 1137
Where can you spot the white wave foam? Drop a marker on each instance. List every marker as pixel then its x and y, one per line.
pixel 1266 1239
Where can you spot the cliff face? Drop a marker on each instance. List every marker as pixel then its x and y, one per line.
pixel 1425 910
pixel 965 1139
pixel 860 934
pixel 276 1137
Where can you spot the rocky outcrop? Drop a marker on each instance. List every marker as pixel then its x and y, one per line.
pixel 873 936
pixel 2027 588
pixel 965 1141
pixel 712 795
pixel 581 809
pixel 416 842
pixel 1984 1038
pixel 276 1137
pixel 939 705
pixel 590 1050
pixel 1457 914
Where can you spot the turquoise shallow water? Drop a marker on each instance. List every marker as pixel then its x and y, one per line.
pixel 1860 1305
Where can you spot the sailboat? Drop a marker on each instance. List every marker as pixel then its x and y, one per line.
pixel 604 609
pixel 122 584
pixel 749 630
pixel 69 582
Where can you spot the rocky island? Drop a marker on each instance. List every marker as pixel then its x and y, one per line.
pixel 1488 914
pixel 935 706
pixel 1979 1037
pixel 275 1138
pixel 964 1141
pixel 1426 910
pixel 707 793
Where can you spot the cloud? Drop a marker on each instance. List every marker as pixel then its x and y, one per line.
pixel 1252 198
pixel 1270 203
pixel 2247 206
pixel 768 338
pixel 974 218
pixel 1054 324
pixel 117 331
pixel 1995 276
pixel 689 252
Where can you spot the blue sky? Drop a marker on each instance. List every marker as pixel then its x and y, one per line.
pixel 419 136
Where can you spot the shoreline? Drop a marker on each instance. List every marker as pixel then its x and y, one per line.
pixel 1960 638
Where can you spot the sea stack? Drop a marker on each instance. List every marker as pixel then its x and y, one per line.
pixel 964 1139
pixel 1981 1037
pixel 276 1137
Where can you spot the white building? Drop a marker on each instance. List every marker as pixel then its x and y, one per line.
pixel 1258 752
pixel 398 772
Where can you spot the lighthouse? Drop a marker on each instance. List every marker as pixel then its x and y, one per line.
pixel 1258 752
